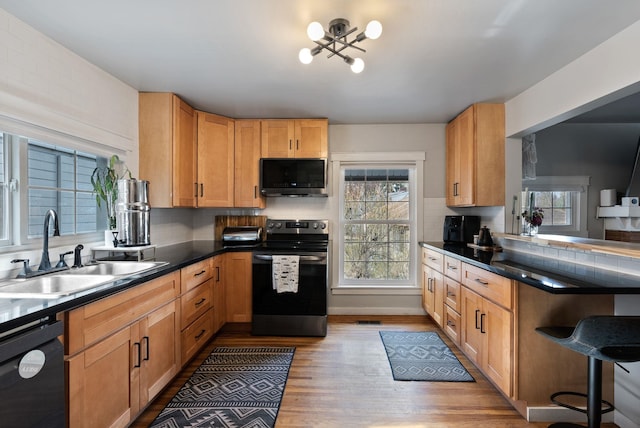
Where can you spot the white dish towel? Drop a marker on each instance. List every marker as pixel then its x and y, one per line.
pixel 285 273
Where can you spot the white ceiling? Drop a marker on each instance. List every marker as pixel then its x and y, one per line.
pixel 240 57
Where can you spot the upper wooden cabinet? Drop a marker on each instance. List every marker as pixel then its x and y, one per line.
pixel 294 138
pixel 475 159
pixel 167 133
pixel 247 165
pixel 216 156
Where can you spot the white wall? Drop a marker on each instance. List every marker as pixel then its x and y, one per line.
pixel 608 72
pixel 47 91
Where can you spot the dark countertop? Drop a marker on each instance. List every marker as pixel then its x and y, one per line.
pixel 551 275
pixel 15 313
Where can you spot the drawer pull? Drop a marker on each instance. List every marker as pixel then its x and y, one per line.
pixel 433 259
pixel 199 335
pixel 450 294
pixel 481 281
pixel 137 345
pixel 146 341
pixel 450 323
pixel 199 302
pixel 200 273
pixel 452 267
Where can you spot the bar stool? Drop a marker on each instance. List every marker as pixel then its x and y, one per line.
pixel 601 338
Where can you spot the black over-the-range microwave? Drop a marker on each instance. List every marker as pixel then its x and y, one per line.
pixel 293 177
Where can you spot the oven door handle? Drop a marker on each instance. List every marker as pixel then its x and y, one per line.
pixel 302 258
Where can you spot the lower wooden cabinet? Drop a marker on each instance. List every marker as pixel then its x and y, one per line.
pixel 433 293
pixel 237 284
pixel 112 380
pixel 219 315
pixel 487 338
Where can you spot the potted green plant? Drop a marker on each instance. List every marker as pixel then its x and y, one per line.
pixel 105 186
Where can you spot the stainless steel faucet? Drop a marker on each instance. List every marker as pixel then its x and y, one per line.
pixel 45 264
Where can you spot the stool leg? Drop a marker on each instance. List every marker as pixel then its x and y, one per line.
pixel 594 400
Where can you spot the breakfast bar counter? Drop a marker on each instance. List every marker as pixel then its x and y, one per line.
pixel 550 275
pixel 489 303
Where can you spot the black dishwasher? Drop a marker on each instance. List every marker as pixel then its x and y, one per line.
pixel 32 377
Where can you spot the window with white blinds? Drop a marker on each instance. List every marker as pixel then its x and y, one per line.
pixel 60 179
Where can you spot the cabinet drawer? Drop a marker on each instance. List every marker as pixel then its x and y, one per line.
pixel 94 321
pixel 451 324
pixel 433 259
pixel 452 294
pixel 492 286
pixel 195 274
pixel 196 335
pixel 453 268
pixel 195 303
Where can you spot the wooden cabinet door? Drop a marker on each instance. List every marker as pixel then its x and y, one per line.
pixel 427 295
pixel 215 160
pixel 238 289
pixel 103 383
pixel 184 154
pixel 311 138
pixel 451 162
pixel 433 293
pixel 277 138
pixel 438 297
pixel 470 335
pixel 247 165
pixel 167 140
pixel 465 153
pixel 219 298
pixel 160 350
pixel 498 351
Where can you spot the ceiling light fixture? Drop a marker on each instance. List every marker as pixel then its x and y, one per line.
pixel 335 41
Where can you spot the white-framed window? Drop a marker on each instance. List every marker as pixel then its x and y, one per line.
pixel 378 219
pixel 563 200
pixel 37 176
pixel 5 212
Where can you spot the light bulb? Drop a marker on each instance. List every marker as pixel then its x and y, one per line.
pixel 315 31
pixel 305 56
pixel 373 30
pixel 357 66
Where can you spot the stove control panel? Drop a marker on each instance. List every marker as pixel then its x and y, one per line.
pixel 298 226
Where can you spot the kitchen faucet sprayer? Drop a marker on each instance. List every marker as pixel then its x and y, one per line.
pixel 45 264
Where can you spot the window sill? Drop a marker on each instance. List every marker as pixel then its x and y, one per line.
pixel 362 290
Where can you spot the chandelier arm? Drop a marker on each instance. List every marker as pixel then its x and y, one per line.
pixel 335 52
pixel 343 47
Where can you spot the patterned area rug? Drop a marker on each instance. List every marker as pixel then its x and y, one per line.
pixel 422 356
pixel 234 387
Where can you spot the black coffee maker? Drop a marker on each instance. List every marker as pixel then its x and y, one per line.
pixel 460 228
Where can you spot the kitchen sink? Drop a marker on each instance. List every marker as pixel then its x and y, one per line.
pixel 52 286
pixel 115 268
pixel 74 280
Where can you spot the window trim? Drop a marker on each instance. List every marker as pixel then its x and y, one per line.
pixel 560 183
pixel 413 160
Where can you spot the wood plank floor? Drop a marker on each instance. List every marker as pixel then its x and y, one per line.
pixel 344 380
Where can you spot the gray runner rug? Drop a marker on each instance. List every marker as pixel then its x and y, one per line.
pixel 422 356
pixel 234 387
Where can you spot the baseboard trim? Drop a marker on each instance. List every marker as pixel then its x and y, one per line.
pixel 374 311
